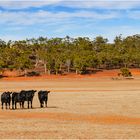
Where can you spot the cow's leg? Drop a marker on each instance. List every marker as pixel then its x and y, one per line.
pixel 23 104
pixel 20 104
pixel 28 104
pixel 31 105
pixel 15 105
pixel 12 105
pixel 41 104
pixel 2 105
pixel 6 105
pixel 9 105
pixel 46 103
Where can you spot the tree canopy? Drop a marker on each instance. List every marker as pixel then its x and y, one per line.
pixel 79 55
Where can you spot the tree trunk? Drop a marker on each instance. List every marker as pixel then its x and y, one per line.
pixel 49 72
pixel 76 71
pixel 68 62
pixel 36 62
pixel 125 65
pixel 25 73
pixel 45 68
pixel 68 69
pixel 60 68
pixel 56 72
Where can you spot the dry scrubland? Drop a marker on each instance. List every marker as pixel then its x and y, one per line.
pixel 77 108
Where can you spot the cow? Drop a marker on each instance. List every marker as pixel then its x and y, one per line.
pixel 21 97
pixel 6 98
pixel 43 97
pixel 18 97
pixel 29 97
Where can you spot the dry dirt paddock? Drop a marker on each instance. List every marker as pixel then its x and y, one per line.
pixel 85 108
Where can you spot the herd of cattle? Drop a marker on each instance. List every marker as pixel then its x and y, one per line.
pixel 21 97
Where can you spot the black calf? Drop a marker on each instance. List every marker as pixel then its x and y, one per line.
pixel 43 97
pixel 6 98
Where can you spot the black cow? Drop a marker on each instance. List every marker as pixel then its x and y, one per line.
pixel 43 97
pixel 6 98
pixel 29 97
pixel 18 97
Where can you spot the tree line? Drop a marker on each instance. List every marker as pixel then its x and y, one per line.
pixel 65 55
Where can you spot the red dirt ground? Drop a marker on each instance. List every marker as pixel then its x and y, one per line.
pixel 102 74
pixel 79 107
pixel 73 117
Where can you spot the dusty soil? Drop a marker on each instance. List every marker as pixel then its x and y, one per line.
pixel 84 107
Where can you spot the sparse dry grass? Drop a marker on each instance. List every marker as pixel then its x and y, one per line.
pixel 83 108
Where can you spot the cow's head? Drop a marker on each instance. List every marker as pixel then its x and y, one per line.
pixel 32 92
pixel 8 93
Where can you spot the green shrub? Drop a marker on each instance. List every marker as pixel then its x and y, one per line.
pixel 125 72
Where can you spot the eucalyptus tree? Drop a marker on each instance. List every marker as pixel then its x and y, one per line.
pixel 2 47
pixel 23 62
pixel 68 52
pixel 120 51
pixel 118 41
pixel 41 46
pixel 65 54
pixel 57 53
pixel 99 43
pixel 8 56
pixel 1 59
pixel 82 54
pixel 35 45
pixel 2 44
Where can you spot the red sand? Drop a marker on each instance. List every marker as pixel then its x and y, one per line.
pixel 101 74
pixel 72 117
pixel 106 109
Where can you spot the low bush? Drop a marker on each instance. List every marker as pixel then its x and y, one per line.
pixel 125 72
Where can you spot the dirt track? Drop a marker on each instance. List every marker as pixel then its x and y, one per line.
pixel 77 108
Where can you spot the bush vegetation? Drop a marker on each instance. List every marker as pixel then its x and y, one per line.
pixel 125 72
pixel 58 55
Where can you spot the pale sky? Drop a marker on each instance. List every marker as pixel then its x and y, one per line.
pixel 59 18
